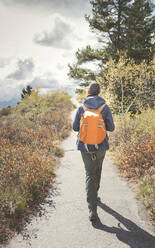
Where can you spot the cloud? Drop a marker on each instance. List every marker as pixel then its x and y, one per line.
pixel 57 38
pixel 12 102
pixel 44 82
pixel 24 69
pixel 73 7
pixel 60 66
pixel 10 89
pixel 67 54
pixel 4 62
pixel 11 84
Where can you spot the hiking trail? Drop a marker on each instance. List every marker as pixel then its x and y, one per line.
pixel 64 222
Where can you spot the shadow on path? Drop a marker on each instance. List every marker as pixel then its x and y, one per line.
pixel 132 235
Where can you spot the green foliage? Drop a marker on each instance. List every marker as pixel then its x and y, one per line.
pixel 85 75
pixel 85 55
pixel 26 91
pixel 122 27
pixel 126 26
pixel 29 152
pixel 108 20
pixel 140 31
pixel 89 54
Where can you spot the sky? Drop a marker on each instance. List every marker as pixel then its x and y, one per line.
pixel 38 40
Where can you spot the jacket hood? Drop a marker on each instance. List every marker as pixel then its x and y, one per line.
pixel 93 102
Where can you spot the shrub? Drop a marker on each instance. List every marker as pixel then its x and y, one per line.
pixel 147 191
pixel 137 158
pixel 29 153
pixel 81 94
pixel 130 86
pixel 5 111
pixel 133 145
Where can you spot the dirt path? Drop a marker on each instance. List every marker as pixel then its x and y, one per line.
pixel 65 221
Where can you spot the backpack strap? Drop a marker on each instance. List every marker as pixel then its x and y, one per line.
pixel 102 107
pixel 93 156
pixel 83 106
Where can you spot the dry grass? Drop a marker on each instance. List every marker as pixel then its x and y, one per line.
pixel 29 150
pixel 133 146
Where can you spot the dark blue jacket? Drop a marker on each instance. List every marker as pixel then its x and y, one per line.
pixel 94 102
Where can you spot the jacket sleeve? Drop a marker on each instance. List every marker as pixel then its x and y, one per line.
pixel 110 126
pixel 76 122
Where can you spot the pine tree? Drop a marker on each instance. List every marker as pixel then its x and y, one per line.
pixel 140 30
pixel 122 27
pixel 108 21
pixel 26 91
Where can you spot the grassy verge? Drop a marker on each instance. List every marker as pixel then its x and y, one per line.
pixel 133 147
pixel 29 152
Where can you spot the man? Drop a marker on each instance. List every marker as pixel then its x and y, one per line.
pixel 93 155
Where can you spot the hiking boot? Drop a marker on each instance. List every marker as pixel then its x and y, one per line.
pixel 93 215
pixel 98 199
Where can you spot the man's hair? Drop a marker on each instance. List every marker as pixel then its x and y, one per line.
pixel 94 89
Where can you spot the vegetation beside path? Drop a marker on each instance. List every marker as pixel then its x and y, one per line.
pixel 133 151
pixel 29 152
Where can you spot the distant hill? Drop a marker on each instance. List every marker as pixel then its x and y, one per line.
pixel 12 102
pixel 70 89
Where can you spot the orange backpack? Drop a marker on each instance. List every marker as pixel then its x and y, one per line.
pixel 92 127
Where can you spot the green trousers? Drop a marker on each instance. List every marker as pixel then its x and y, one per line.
pixel 93 166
